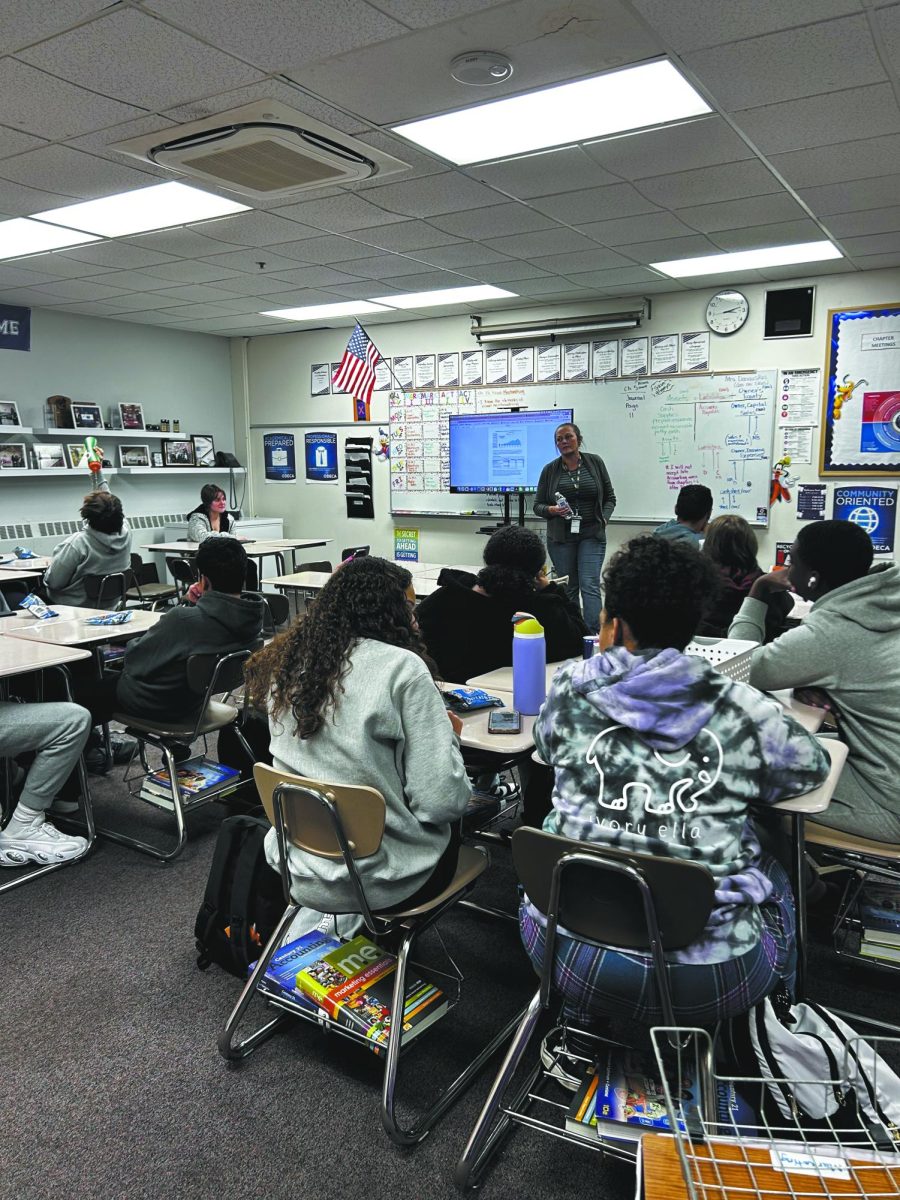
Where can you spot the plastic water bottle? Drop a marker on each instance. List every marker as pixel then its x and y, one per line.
pixel 562 502
pixel 529 664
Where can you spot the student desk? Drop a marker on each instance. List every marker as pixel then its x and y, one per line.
pixel 255 549
pixel 21 657
pixel 72 631
pixel 475 735
pixel 314 581
pixel 20 573
pixel 502 677
pixel 37 564
pixel 21 620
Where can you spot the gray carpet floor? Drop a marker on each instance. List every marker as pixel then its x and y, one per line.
pixel 112 1085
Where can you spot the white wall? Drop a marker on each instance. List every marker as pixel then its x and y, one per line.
pixel 172 374
pixel 278 373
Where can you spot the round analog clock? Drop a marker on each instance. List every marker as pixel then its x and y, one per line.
pixel 727 312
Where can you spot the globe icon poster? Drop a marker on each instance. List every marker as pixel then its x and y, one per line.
pixel 873 509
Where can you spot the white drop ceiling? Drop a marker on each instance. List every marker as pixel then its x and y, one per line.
pixel 803 143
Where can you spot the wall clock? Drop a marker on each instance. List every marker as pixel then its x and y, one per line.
pixel 727 312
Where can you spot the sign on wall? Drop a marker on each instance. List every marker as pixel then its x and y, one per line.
pixel 279 457
pixel 406 545
pixel 873 509
pixel 321 457
pixel 15 327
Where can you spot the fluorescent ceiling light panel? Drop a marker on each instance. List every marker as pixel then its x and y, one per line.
pixel 145 209
pixel 748 260
pixel 21 236
pixel 312 312
pixel 457 295
pixel 650 94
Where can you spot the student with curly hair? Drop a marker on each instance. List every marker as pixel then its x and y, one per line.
pixel 101 547
pixel 656 752
pixel 351 699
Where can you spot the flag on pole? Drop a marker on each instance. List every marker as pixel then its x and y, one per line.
pixel 356 371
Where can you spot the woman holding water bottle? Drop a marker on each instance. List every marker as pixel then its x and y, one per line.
pixel 576 497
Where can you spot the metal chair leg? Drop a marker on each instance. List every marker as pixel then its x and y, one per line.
pixel 227 1047
pixel 145 847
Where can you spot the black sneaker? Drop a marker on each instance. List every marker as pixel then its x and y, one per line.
pixel 97 761
pixel 122 747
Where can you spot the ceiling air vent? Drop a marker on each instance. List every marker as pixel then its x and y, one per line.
pixel 262 150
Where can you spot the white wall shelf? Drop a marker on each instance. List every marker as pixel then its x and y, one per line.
pixel 178 470
pixel 84 477
pixel 5 429
pixel 136 434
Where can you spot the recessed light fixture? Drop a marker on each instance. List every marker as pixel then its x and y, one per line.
pixel 142 210
pixel 748 260
pixel 312 312
pixel 21 236
pixel 634 98
pixel 456 295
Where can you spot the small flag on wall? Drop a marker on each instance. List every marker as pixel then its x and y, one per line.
pixel 356 372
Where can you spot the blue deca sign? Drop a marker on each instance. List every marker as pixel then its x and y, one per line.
pixel 321 457
pixel 15 328
pixel 872 509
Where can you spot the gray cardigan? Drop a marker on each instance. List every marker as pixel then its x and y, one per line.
pixel 548 486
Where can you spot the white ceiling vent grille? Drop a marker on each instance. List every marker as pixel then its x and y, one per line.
pixel 262 150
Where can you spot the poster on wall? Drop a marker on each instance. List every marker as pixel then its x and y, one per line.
pixel 635 356
pixel 861 393
pixel 799 397
pixel 472 367
pixel 521 365
pixel 279 458
pixel 406 545
pixel 448 370
pixel 320 451
pixel 15 327
pixel 695 351
pixel 424 371
pixel 873 509
pixel 576 361
pixel 320 379
pixel 664 354
pixel 811 502
pixel 384 381
pixel 605 359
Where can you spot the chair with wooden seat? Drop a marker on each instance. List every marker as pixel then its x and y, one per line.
pixel 337 821
pixel 208 676
pixel 107 591
pixel 147 590
pixel 604 896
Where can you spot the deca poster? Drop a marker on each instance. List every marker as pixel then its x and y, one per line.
pixel 321 457
pixel 873 509
pixel 279 457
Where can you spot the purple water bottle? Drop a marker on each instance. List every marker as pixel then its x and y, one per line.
pixel 529 664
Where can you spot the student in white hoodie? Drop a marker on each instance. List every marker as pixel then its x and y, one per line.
pixel 101 547
pixel 844 656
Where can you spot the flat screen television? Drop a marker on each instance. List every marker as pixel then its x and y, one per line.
pixel 502 452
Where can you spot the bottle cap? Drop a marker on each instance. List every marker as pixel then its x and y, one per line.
pixel 527 625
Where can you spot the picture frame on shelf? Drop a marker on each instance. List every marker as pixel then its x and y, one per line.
pixel 59 412
pixel 156 459
pixel 13 456
pixel 87 416
pixel 134 456
pixel 131 416
pixel 76 454
pixel 179 453
pixel 50 456
pixel 204 449
pixel 9 413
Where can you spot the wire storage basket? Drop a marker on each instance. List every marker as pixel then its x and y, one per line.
pixel 729 656
pixel 723 1147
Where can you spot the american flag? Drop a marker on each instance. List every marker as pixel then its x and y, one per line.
pixel 356 372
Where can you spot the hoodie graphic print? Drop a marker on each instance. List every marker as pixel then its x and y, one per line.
pixel 658 753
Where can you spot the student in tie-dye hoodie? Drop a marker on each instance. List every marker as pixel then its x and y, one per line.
pixel 655 751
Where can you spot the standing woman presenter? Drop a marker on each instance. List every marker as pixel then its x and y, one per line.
pixel 576 530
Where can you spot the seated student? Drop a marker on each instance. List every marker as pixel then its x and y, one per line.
pixel 467 623
pixel 211 517
pixel 845 657
pixel 692 512
pixel 731 544
pixel 101 547
pixel 351 699
pixel 57 734
pixel 656 752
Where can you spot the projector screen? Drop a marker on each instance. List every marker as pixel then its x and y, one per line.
pixel 502 452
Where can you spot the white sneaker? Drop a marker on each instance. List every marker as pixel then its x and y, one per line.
pixel 40 842
pixel 565 1066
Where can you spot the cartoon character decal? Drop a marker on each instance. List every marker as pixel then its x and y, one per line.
pixel 384 445
pixel 781 478
pixel 842 393
pixel 697 768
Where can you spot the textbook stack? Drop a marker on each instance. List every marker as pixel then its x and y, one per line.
pixel 197 778
pixel 879 914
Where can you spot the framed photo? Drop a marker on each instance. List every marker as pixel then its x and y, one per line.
pixel 132 416
pixel 9 413
pixel 76 454
pixel 204 450
pixel 156 458
pixel 134 456
pixel 87 416
pixel 12 456
pixel 179 454
pixel 50 456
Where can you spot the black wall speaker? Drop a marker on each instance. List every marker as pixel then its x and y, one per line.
pixel 789 312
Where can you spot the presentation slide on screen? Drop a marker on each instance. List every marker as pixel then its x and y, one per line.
pixel 502 452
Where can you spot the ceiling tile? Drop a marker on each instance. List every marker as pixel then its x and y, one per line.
pixel 14 142
pixel 465 254
pixel 339 214
pixel 408 235
pixel 509 272
pixel 253 229
pixel 148 317
pixel 328 249
pixel 690 25
pixel 705 142
pixel 22 24
pixel 646 227
pixel 852 196
pixel 18 201
pixel 199 292
pixel 426 281
pixel 317 276
pixel 101 140
pixel 550 285
pixel 726 182
pixel 876 262
pixel 541 174
pixel 133 281
pixel 419 14
pixel 871 220
pixel 364 290
pixel 537 245
pixel 295 299
pixel 116 255
pixel 378 266
pixel 595 204
pixel 418 160
pixel 615 278
pixel 887 21
pixel 873 243
pixel 783 66
pixel 596 259
pixel 670 248
pixel 259 284
pixel 701 282
pixel 730 214
pixel 191 243
pixel 183 271
pixel 789 274
pixel 72 172
pixel 496 221
pixel 82 289
pixel 432 195
pixel 828 164
pixel 163 66
pixel 840 116
pixel 58 266
pixel 12 275
pixel 780 233
pixel 196 312
pixel 144 300
pixel 282 90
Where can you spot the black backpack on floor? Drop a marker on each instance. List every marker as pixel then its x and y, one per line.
pixel 243 901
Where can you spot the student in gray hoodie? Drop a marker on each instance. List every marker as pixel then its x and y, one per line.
pixel 101 547
pixel 844 656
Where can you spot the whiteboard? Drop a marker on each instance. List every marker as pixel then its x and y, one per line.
pixel 654 434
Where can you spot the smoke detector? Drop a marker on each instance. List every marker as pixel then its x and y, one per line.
pixel 481 68
pixel 262 150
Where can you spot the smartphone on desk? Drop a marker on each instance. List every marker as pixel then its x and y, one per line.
pixel 504 720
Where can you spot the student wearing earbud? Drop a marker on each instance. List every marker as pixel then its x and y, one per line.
pixel 844 656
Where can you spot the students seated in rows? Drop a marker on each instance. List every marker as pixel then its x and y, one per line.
pixel 731 544
pixel 56 734
pixel 656 752
pixel 101 547
pixel 844 656
pixel 351 699
pixel 210 518
pixel 467 623
pixel 693 509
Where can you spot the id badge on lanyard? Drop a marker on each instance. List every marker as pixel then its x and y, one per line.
pixel 575 525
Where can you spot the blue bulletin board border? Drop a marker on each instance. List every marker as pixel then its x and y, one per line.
pixel 836 317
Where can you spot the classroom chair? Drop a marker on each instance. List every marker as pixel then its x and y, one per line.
pixel 307 594
pixel 107 591
pixel 346 822
pixel 278 609
pixel 184 572
pixel 606 897
pixel 208 675
pixel 354 552
pixel 147 590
